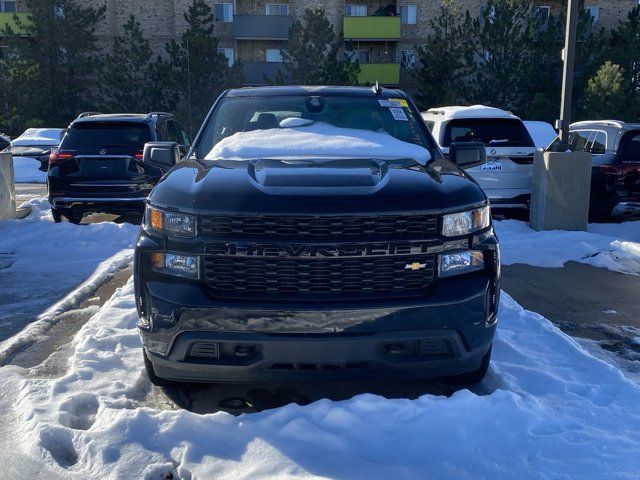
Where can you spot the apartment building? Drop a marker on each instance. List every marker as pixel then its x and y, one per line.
pixel 381 35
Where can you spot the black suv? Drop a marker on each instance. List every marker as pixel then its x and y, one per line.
pixel 301 265
pixel 98 166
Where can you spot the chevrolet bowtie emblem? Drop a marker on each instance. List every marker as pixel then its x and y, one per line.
pixel 415 266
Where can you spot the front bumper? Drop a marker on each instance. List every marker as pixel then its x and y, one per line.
pixel 443 333
pixel 100 204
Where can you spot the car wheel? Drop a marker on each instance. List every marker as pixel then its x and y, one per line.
pixel 73 216
pixel 56 214
pixel 153 378
pixel 472 378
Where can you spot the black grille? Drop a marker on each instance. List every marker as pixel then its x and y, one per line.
pixel 300 227
pixel 315 279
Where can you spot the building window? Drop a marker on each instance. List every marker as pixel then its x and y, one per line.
pixel 355 10
pixel 406 58
pixel 543 13
pixel 360 56
pixel 7 6
pixel 224 12
pixel 408 14
pixel 594 12
pixel 228 53
pixel 277 9
pixel 274 55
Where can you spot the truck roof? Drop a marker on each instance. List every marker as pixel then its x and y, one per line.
pixel 474 111
pixel 320 90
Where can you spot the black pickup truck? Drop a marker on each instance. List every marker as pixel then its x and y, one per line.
pixel 264 255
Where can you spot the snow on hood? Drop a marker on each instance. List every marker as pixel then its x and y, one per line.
pixel 316 140
pixel 39 136
pixel 542 133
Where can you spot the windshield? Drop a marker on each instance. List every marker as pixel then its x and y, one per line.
pixel 113 135
pixel 496 132
pixel 245 114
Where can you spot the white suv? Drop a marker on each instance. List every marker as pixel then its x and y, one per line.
pixel 506 177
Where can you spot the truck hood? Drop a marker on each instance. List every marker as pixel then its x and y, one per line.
pixel 315 186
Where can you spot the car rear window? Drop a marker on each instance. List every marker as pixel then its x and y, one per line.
pixel 95 135
pixel 495 132
pixel 630 147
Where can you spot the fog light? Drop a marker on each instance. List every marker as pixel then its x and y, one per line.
pixel 460 262
pixel 176 264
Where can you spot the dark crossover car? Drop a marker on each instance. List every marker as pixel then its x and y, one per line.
pixel 304 266
pixel 615 175
pixel 98 166
pixel 36 144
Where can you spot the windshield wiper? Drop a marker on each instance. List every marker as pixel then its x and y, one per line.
pixel 501 140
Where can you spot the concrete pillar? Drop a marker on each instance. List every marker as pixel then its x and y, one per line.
pixel 7 187
pixel 560 193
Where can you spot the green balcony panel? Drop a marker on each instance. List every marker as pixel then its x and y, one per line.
pixel 8 19
pixel 371 28
pixel 384 73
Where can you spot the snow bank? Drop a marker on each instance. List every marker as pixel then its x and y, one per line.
pixel 42 262
pixel 615 247
pixel 542 133
pixel 27 170
pixel 39 137
pixel 555 412
pixel 318 139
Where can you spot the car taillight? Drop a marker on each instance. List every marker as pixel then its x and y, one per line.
pixel 57 157
pixel 138 156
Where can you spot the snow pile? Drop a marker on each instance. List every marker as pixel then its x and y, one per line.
pixel 615 247
pixel 542 133
pixel 27 170
pixel 554 412
pixel 316 140
pixel 39 137
pixel 42 261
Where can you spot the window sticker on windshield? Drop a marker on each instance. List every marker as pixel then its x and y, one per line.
pixel 402 102
pixel 392 102
pixel 398 114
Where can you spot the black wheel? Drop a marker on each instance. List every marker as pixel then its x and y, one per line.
pixel 74 216
pixel 153 378
pixel 472 378
pixel 56 214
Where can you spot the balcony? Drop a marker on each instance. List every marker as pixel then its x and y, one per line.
pixel 261 27
pixel 7 19
pixel 371 28
pixel 260 73
pixel 384 73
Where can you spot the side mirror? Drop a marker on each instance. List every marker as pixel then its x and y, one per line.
pixel 467 154
pixel 161 154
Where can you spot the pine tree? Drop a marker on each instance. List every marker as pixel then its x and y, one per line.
pixel 312 55
pixel 625 51
pixel 128 77
pixel 605 93
pixel 446 55
pixel 61 56
pixel 503 38
pixel 195 72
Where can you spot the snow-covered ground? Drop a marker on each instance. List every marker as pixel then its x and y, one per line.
pixel 554 411
pixel 615 247
pixel 27 170
pixel 42 261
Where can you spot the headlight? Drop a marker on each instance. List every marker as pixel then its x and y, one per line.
pixel 176 264
pixel 170 223
pixel 464 223
pixel 460 262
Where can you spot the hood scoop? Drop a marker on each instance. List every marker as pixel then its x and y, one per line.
pixel 329 173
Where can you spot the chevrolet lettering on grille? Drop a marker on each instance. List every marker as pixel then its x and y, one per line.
pixel 322 250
